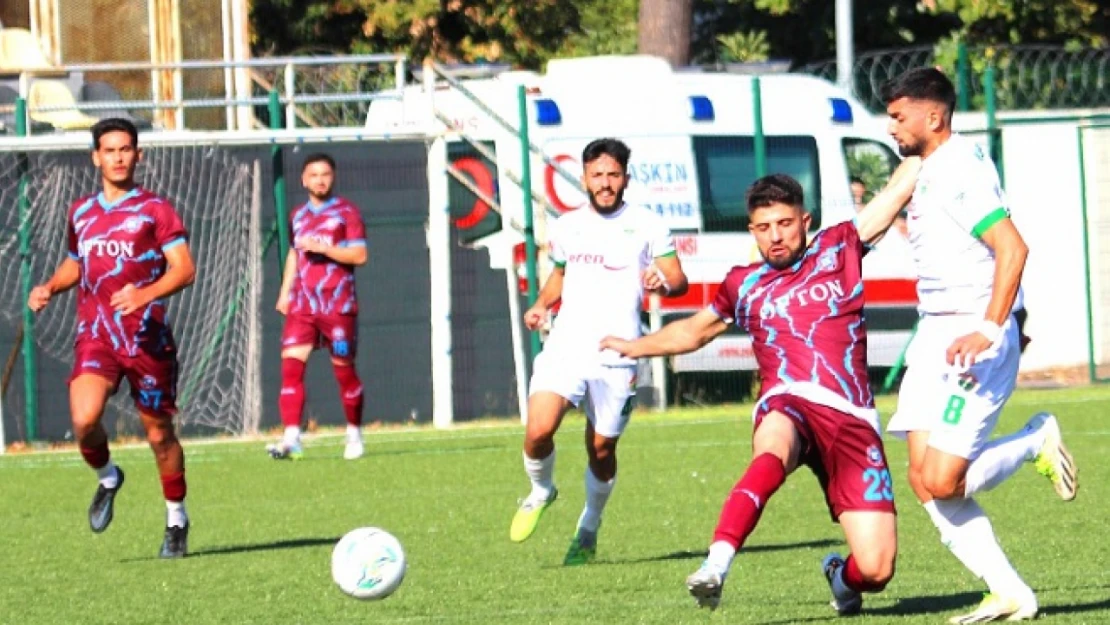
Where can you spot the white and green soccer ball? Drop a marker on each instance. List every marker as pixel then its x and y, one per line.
pixel 368 563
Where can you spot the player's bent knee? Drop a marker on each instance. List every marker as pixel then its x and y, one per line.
pixel 941 487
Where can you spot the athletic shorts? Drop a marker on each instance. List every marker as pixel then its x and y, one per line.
pixel 958 408
pixel 843 451
pixel 609 391
pixel 339 333
pixel 152 378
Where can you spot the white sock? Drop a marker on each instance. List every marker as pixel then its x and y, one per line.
pixel 1000 459
pixel 354 433
pixel 967 532
pixel 721 555
pixel 175 514
pixel 597 495
pixel 292 435
pixel 108 475
pixel 542 474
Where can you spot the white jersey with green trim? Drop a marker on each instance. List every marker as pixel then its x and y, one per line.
pixel 958 197
pixel 603 257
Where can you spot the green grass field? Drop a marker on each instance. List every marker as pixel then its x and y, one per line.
pixel 263 532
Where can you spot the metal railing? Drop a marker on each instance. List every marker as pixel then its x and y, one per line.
pixel 352 85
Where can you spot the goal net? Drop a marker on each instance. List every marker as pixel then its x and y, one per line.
pixel 216 190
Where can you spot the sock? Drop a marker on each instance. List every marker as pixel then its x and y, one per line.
pixel 721 554
pixel 597 495
pixel 350 391
pixel 175 514
pixel 354 433
pixel 542 474
pixel 850 577
pixel 745 503
pixel 292 436
pixel 100 459
pixel 108 475
pixel 1000 459
pixel 173 486
pixel 291 401
pixel 968 534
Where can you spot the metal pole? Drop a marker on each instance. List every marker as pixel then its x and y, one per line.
pixel 526 190
pixel 30 368
pixel 439 276
pixel 994 133
pixel 1092 370
pixel 844 49
pixel 281 209
pixel 758 139
pixel 963 78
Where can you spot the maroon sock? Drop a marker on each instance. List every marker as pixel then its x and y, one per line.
pixel 745 503
pixel 96 457
pixel 854 579
pixel 291 401
pixel 350 391
pixel 173 486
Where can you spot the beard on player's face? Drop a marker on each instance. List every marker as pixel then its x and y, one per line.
pixel 913 146
pixel 606 200
pixel 781 259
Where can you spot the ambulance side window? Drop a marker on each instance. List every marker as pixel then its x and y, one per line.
pixel 726 167
pixel 869 161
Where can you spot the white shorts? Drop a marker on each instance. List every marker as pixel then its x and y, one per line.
pixel 958 408
pixel 609 390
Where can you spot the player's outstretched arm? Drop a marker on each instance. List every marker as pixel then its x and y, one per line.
pixel 678 337
pixel 65 277
pixel 875 219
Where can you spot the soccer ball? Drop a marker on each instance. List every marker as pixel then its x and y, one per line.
pixel 368 563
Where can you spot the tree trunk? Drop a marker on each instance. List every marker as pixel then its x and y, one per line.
pixel 665 27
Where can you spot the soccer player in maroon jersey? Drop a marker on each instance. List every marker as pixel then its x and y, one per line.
pixel 128 252
pixel 320 305
pixel 803 308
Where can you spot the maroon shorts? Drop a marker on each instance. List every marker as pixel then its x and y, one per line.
pixel 339 333
pixel 152 378
pixel 843 451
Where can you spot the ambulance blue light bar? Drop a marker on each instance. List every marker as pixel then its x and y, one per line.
pixel 701 109
pixel 547 113
pixel 841 110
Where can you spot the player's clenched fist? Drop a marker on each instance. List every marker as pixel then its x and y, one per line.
pixel 128 299
pixel 534 317
pixel 40 295
pixel 619 345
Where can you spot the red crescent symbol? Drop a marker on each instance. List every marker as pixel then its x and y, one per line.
pixel 483 179
pixel 549 174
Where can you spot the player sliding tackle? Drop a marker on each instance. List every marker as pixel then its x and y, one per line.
pixel 803 307
pixel 606 255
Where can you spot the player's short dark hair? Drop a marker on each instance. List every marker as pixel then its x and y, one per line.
pixel 608 146
pixel 318 157
pixel 922 83
pixel 114 124
pixel 775 189
pixel 856 180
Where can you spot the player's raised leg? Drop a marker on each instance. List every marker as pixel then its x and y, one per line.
pixel 88 393
pixel 292 398
pixel 873 540
pixel 776 449
pixel 545 413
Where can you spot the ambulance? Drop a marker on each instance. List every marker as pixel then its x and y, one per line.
pixel 693 136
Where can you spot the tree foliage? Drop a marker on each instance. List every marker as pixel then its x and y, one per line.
pixel 525 33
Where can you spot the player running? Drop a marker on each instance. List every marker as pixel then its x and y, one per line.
pixel 803 308
pixel 128 252
pixel 320 304
pixel 963 361
pixel 606 255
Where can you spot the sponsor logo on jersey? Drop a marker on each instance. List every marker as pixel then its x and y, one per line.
pixel 803 296
pixel 106 247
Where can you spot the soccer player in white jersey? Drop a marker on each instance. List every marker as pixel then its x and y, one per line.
pixel 606 255
pixel 963 361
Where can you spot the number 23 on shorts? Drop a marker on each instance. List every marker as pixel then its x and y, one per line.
pixel 879 485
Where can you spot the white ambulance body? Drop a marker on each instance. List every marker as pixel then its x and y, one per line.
pixel 693 156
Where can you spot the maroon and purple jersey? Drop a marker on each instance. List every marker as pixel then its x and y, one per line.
pixel 323 286
pixel 120 243
pixel 806 321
